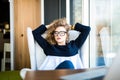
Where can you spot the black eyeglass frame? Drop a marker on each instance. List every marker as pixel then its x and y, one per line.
pixel 61 33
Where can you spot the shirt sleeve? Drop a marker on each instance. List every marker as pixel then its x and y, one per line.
pixel 37 33
pixel 84 32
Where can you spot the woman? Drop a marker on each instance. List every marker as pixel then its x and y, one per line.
pixel 60 53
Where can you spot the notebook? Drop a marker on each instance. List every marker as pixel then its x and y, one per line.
pixel 111 73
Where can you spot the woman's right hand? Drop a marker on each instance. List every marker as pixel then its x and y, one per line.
pixel 48 26
pixel 72 27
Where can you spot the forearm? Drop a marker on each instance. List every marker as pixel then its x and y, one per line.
pixel 40 30
pixel 37 33
pixel 84 32
pixel 81 28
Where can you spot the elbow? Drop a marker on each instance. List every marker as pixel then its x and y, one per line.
pixel 89 29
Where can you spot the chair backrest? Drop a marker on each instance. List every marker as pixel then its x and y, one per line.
pixel 106 44
pixel 37 55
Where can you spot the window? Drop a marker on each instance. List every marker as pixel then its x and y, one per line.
pixel 104 19
pixel 54 9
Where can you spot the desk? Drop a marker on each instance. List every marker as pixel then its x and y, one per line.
pixel 50 74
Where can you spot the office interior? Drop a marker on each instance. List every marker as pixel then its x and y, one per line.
pixel 102 16
pixel 4 28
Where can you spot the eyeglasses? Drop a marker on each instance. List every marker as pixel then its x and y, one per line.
pixel 61 33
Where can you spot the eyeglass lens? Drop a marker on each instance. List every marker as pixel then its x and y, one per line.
pixel 61 33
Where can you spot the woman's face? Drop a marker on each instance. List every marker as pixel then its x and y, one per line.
pixel 60 35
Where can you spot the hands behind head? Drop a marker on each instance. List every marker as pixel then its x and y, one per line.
pixel 60 22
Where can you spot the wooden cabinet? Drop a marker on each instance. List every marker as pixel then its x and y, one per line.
pixel 26 14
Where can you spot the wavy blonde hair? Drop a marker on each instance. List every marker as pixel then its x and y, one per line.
pixel 56 23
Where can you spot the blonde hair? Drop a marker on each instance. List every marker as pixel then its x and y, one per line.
pixel 56 23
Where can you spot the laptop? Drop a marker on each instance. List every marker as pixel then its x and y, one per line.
pixel 111 73
pixel 96 74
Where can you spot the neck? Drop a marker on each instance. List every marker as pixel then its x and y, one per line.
pixel 61 43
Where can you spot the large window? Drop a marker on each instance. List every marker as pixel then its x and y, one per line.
pixel 54 9
pixel 103 17
pixel 104 21
pixel 75 11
